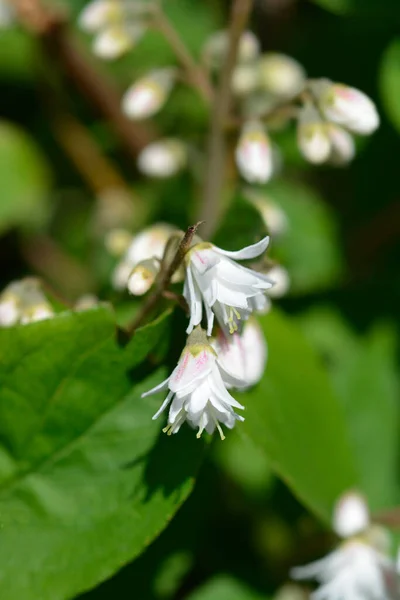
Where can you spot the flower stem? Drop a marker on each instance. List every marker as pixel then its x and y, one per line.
pixel 216 146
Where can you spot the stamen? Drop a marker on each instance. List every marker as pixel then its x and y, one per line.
pixel 168 429
pixel 233 312
pixel 218 426
pixel 201 427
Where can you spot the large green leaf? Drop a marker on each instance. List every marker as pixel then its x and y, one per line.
pixel 390 82
pixel 24 179
pixel 363 372
pixel 294 416
pixel 87 479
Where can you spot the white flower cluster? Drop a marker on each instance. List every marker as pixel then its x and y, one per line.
pixel 361 567
pixel 224 290
pixel 23 302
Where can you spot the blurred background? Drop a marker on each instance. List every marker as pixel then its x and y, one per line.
pixel 68 177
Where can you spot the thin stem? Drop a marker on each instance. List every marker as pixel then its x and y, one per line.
pixel 195 73
pixel 164 279
pixel 216 147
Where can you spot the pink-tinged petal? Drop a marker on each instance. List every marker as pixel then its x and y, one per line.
pixel 160 387
pixel 203 259
pixel 246 253
pixel 190 369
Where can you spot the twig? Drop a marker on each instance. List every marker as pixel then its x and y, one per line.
pixel 216 148
pixel 195 73
pixel 51 29
pixel 164 278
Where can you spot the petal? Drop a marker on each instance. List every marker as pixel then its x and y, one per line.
pixel 163 406
pixel 192 295
pixel 247 252
pixel 191 369
pixel 161 386
pixel 204 259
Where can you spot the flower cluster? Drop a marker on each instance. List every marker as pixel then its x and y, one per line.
pixel 23 302
pixel 361 567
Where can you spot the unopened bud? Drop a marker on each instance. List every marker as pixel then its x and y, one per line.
pixel 348 107
pixel 342 145
pixel 117 241
pixel 148 95
pixel 280 75
pixel 143 276
pixel 114 41
pixel 216 48
pixel 99 14
pixel 313 136
pixel 351 515
pixel 281 280
pixel 254 157
pixel 244 79
pixel 163 158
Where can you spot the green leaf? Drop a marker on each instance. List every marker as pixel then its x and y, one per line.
pixel 225 587
pixel 295 418
pixel 390 82
pixel 310 247
pixel 363 372
pixel 146 338
pixel 382 9
pixel 87 479
pixel 24 178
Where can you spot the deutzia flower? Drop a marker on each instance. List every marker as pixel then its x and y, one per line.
pixel 163 158
pixel 342 145
pixel 148 95
pixel 23 302
pixel 243 355
pixel 143 276
pixel 280 75
pixel 348 107
pixel 114 41
pixel 197 390
pixel 360 568
pixel 228 290
pixel 313 135
pixel 254 156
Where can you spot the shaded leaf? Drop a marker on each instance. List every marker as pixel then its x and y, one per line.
pixel 225 587
pixel 390 82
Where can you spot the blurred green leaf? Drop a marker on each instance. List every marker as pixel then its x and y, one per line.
pixel 363 372
pixel 382 9
pixel 147 337
pixel 310 248
pixel 295 418
pixel 16 54
pixel 225 587
pixel 390 82
pixel 25 180
pixel 87 479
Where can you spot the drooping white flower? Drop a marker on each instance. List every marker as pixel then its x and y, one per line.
pixel 143 276
pixel 197 390
pixel 163 158
pixel 228 290
pixel 348 107
pixel 243 355
pixel 114 41
pixel 280 75
pixel 254 157
pixel 149 243
pixel 216 48
pixel 148 95
pixel 313 136
pixel 360 568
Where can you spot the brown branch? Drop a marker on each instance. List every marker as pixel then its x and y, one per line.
pixel 50 28
pixel 216 148
pixel 194 72
pixel 164 278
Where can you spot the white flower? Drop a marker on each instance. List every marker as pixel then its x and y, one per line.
pixel 254 156
pixel 227 289
pixel 348 107
pixel 23 302
pixel 149 243
pixel 342 145
pixel 143 276
pixel 112 42
pixel 36 312
pixel 313 135
pixel 280 75
pixel 244 355
pixel 360 568
pixel 9 310
pixel 148 95
pixel 98 14
pixel 163 158
pixel 197 390
pixel 281 280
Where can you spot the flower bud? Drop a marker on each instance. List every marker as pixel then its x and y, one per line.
pixel 114 41
pixel 143 276
pixel 280 75
pixel 342 145
pixel 163 158
pixel 351 515
pixel 117 241
pixel 254 157
pixel 216 48
pixel 313 136
pixel 281 281
pixel 244 79
pixel 148 95
pixel 348 107
pixel 99 14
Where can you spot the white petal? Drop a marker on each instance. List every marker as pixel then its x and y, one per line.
pixel 160 387
pixel 163 406
pixel 192 295
pixel 248 252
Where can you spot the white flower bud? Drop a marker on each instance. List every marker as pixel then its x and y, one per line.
pixel 351 515
pixel 114 41
pixel 148 95
pixel 313 136
pixel 281 281
pixel 342 145
pixel 143 276
pixel 280 75
pixel 254 156
pixel 117 241
pixel 9 310
pixel 244 79
pixel 99 14
pixel 348 107
pixel 163 158
pixel 216 48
